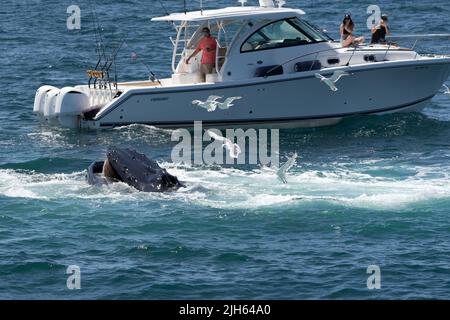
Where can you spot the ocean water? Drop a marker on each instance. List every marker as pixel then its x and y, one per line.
pixel 369 191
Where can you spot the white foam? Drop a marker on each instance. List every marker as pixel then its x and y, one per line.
pixel 144 127
pixel 261 188
pixel 231 188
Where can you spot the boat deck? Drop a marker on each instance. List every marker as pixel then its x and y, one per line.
pixel 140 84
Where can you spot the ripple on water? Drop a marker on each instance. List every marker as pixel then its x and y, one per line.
pixel 371 190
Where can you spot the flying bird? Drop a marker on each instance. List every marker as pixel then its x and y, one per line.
pixel 233 149
pixel 210 104
pixel 227 103
pixel 331 81
pixel 448 90
pixel 281 173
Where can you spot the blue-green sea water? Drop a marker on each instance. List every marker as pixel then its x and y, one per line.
pixel 368 191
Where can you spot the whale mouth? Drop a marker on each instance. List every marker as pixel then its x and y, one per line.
pixel 134 169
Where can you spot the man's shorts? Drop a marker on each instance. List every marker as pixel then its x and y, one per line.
pixel 207 69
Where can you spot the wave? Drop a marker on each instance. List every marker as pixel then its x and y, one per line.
pixel 231 188
pixel 144 133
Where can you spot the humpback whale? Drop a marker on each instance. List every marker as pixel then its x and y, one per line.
pixel 134 169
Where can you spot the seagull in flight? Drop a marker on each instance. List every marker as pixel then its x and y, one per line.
pixel 227 103
pixel 281 173
pixel 448 90
pixel 210 104
pixel 331 81
pixel 233 149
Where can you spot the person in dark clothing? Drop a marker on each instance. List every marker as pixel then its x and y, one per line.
pixel 346 30
pixel 380 31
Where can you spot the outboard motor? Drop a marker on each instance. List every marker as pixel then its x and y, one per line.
pixel 70 105
pixel 50 105
pixel 39 101
pixel 60 107
pixel 134 169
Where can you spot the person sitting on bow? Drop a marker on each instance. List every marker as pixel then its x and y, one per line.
pixel 380 31
pixel 346 31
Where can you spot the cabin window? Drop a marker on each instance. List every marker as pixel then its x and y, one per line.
pixel 283 33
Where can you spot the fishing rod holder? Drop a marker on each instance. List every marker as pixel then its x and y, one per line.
pixel 101 80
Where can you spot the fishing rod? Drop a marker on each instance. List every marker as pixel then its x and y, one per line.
pixel 104 71
pixel 100 47
pixel 168 14
pixel 112 59
pixel 101 51
pixel 164 7
pixel 153 77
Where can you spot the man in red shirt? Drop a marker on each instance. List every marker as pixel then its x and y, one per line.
pixel 208 46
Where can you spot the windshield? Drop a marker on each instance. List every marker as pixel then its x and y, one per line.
pixel 284 33
pixel 313 30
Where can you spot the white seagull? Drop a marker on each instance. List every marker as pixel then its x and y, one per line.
pixel 448 90
pixel 331 81
pixel 233 149
pixel 281 173
pixel 227 103
pixel 210 104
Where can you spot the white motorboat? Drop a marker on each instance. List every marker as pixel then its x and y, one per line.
pixel 272 68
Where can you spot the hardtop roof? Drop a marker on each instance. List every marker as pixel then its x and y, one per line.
pixel 232 13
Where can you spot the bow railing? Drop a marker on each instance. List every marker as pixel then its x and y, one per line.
pixel 390 45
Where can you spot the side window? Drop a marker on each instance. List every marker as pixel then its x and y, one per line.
pixel 279 34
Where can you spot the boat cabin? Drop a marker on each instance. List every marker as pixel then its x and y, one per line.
pixel 263 41
pixel 255 46
pixel 250 42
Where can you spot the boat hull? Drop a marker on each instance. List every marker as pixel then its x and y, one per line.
pixel 294 100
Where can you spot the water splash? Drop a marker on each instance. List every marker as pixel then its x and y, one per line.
pixel 231 188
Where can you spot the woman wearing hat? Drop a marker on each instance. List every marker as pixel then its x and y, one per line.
pixel 346 31
pixel 380 31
